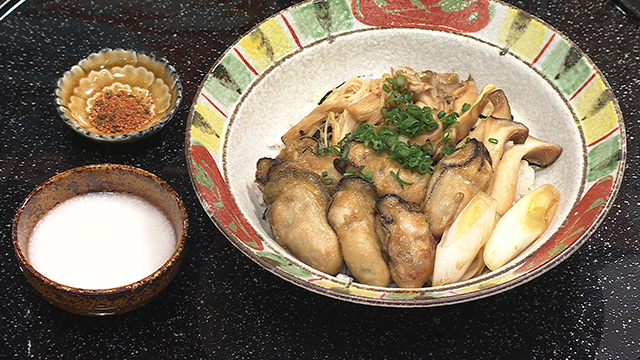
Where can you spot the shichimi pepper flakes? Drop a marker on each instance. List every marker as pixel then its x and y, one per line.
pixel 119 112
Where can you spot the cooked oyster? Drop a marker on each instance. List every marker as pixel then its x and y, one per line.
pixel 408 244
pixel 300 154
pixel 297 203
pixel 382 166
pixel 352 216
pixel 455 180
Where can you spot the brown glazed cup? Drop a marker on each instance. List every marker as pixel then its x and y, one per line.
pixel 100 178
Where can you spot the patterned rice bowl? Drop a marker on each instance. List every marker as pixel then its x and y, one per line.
pixel 264 83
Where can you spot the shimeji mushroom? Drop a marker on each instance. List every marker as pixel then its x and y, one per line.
pixel 498 128
pixel 465 122
pixel 439 91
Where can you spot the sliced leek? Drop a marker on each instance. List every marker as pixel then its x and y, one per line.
pixel 475 268
pixel 462 241
pixel 521 226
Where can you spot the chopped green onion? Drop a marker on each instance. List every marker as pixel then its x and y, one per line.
pixel 399 180
pixel 368 176
pixel 493 140
pixel 450 119
pixel 448 150
pixel 402 117
pixel 388 136
pixel 400 81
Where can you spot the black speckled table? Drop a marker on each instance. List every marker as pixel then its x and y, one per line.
pixel 222 304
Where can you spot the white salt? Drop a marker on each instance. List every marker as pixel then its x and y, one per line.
pixel 101 240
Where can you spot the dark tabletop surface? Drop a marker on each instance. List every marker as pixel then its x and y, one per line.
pixel 222 304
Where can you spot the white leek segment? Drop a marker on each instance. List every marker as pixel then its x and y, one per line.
pixel 475 268
pixel 462 241
pixel 521 225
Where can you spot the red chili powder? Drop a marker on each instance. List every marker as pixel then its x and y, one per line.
pixel 119 112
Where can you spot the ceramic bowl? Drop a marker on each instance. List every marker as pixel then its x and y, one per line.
pixel 100 178
pixel 270 79
pixel 82 91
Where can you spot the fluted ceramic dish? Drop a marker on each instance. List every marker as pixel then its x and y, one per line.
pixel 265 82
pixel 143 76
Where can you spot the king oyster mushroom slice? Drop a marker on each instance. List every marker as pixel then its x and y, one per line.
pixel 381 167
pixel 465 94
pixel 407 242
pixel 466 120
pixel 505 180
pixel 500 105
pixel 297 203
pixel 352 216
pixel 494 133
pixel 470 117
pixel 455 180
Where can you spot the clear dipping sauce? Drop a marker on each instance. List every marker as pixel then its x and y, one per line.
pixel 101 240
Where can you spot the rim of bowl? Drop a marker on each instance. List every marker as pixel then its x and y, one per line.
pixel 132 136
pixel 175 257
